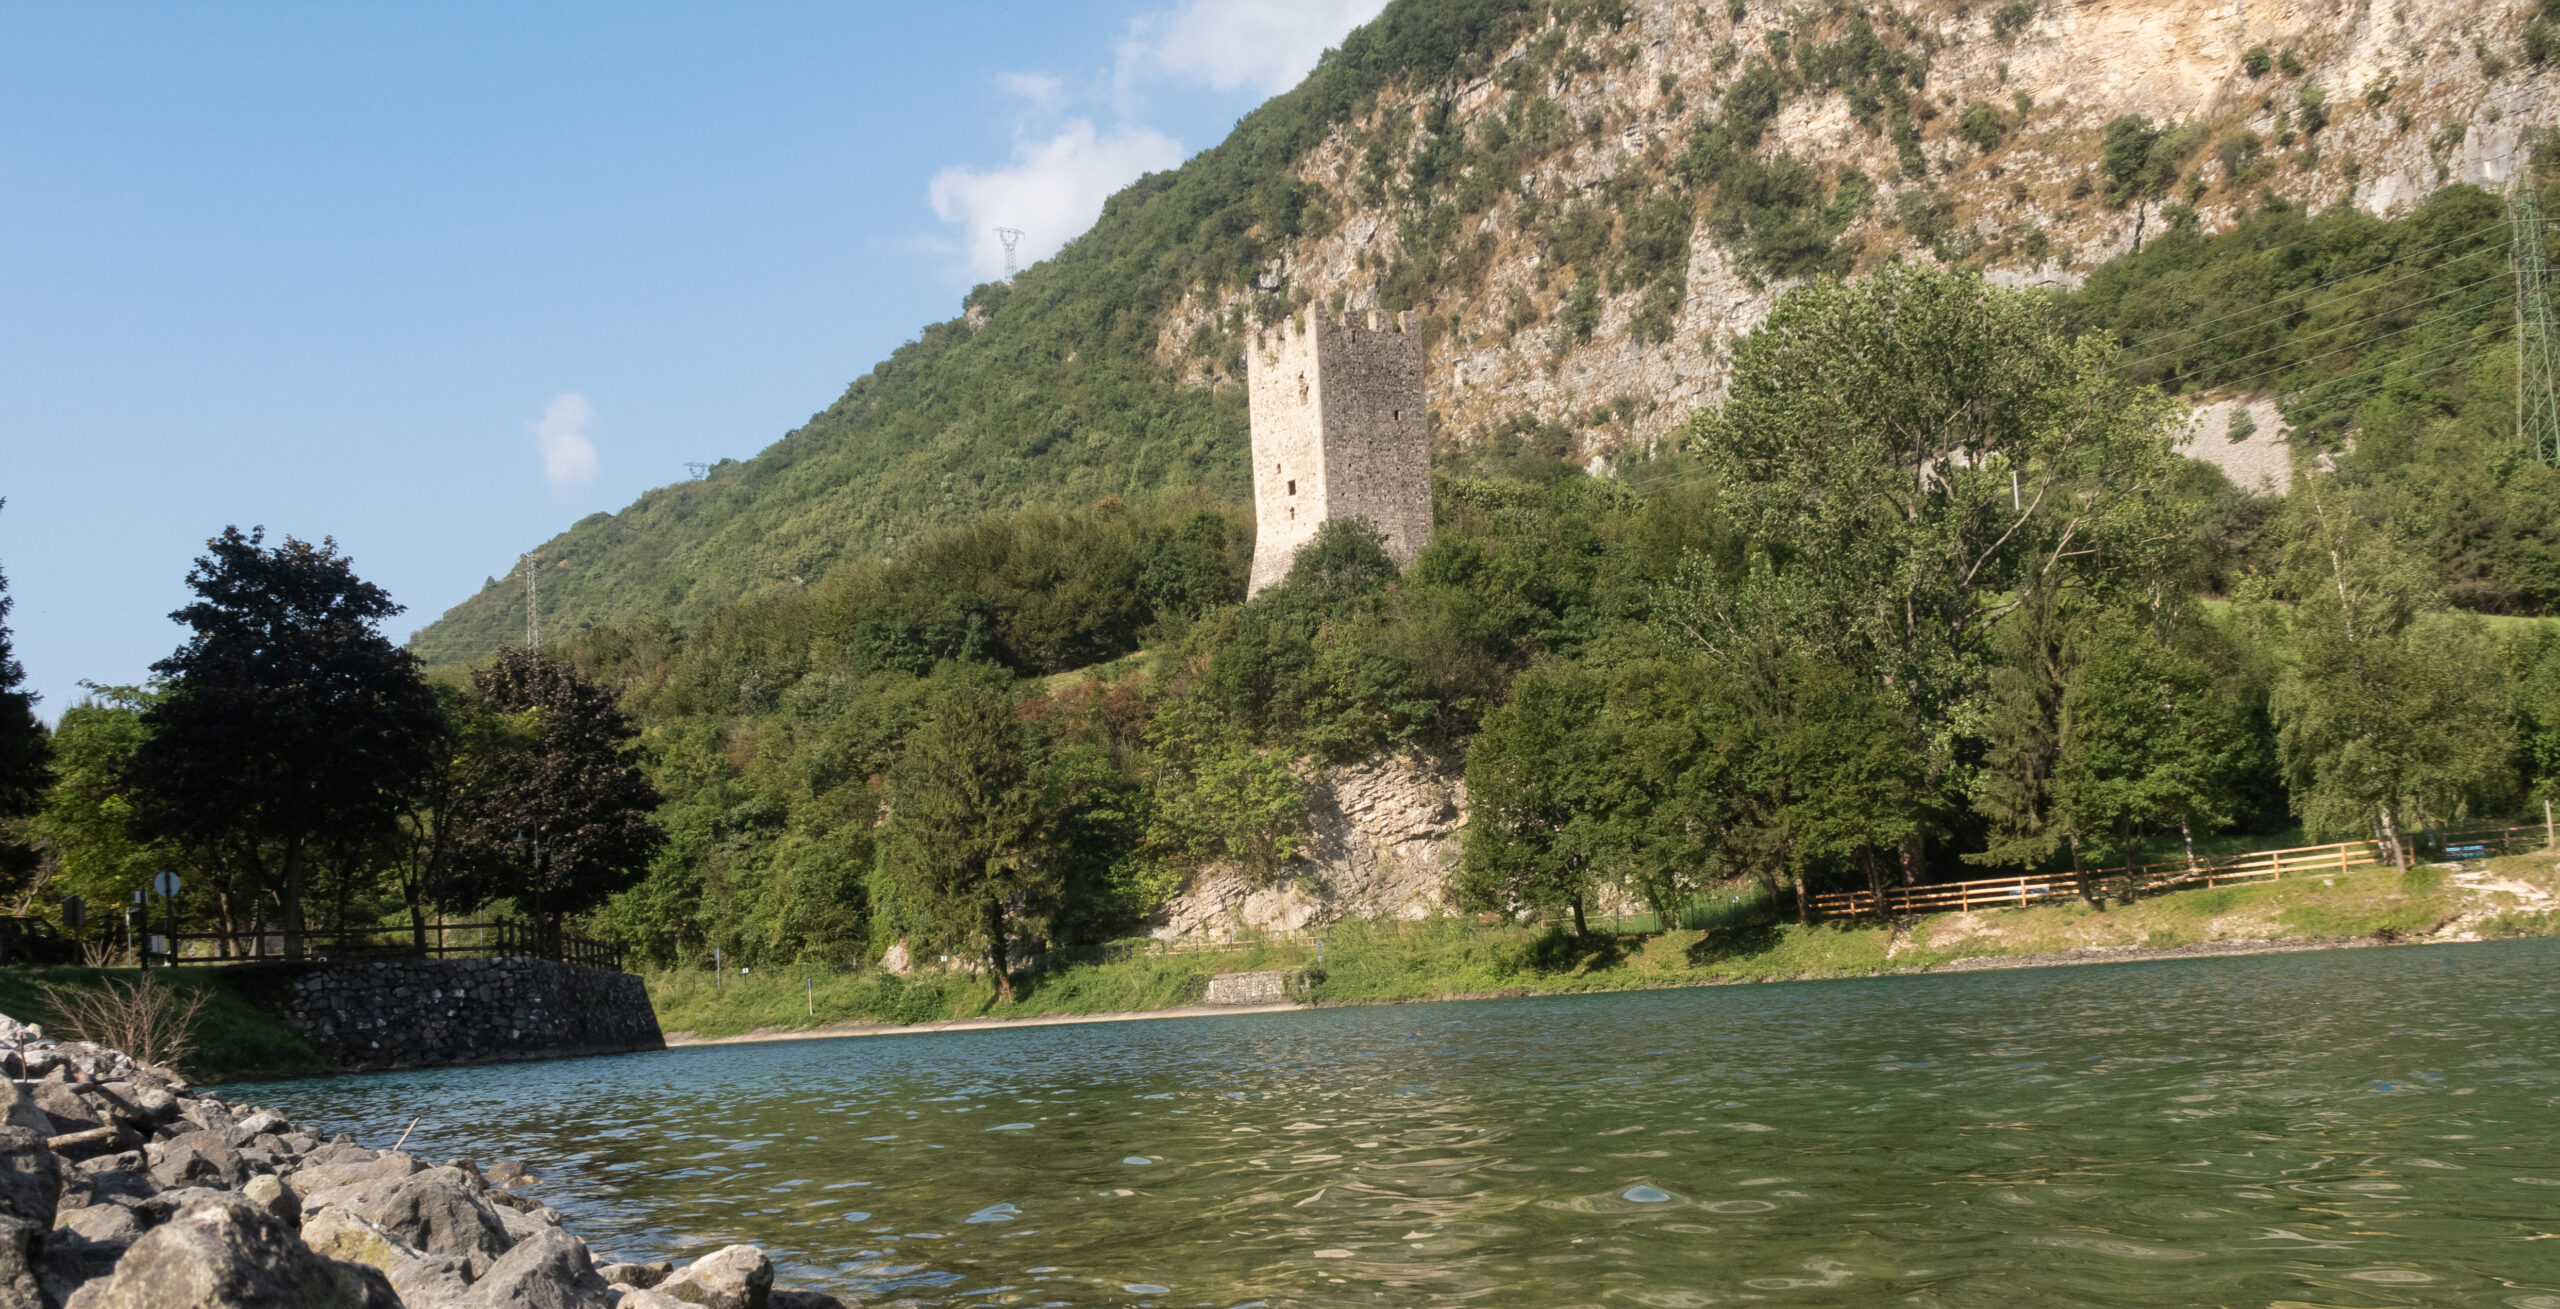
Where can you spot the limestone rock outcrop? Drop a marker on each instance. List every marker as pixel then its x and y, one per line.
pixel 1382 840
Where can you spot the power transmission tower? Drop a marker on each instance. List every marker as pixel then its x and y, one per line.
pixel 2537 339
pixel 699 471
pixel 530 566
pixel 1011 236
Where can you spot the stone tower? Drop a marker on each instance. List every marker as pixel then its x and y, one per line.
pixel 1339 431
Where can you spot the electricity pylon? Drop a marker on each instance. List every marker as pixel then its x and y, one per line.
pixel 1011 236
pixel 2537 340
pixel 530 566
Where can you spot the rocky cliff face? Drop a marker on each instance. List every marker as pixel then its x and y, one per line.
pixel 1382 837
pixel 1986 148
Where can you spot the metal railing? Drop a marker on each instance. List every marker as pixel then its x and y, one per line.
pixel 501 939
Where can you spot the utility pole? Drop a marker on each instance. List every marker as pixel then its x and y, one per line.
pixel 1011 236
pixel 530 564
pixel 2537 350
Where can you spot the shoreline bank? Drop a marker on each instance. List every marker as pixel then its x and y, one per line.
pixel 2084 956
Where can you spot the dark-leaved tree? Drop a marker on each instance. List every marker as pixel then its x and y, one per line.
pixel 25 751
pixel 553 812
pixel 288 717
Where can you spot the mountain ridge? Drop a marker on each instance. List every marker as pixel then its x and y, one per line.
pixel 1585 203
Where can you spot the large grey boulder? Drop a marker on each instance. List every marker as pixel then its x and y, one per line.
pixel 521 1223
pixel 637 1275
pixel 228 1253
pixel 439 1212
pixel 68 1110
pixel 30 1174
pixel 198 1158
pixel 433 1281
pixel 732 1277
pixel 275 1195
pixel 550 1270
pixel 21 1265
pixel 86 1243
pixel 344 1235
pixel 332 1168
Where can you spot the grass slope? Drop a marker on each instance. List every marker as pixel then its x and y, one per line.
pixel 1441 958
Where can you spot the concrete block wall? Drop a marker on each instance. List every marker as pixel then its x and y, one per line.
pixel 420 1013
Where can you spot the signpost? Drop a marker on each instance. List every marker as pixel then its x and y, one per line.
pixel 167 885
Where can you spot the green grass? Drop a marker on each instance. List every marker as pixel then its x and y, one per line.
pixel 1721 942
pixel 240 1033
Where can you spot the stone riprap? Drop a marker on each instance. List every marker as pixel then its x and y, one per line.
pixel 419 1013
pixel 1249 988
pixel 123 1188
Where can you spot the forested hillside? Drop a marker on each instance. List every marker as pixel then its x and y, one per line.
pixel 1588 202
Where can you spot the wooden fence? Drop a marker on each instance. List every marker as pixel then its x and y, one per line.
pixel 2175 874
pixel 2016 892
pixel 505 938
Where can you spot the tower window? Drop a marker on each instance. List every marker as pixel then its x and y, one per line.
pixel 1293 486
pixel 1293 513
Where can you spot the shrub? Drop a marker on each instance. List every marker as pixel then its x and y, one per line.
pixel 2256 62
pixel 1982 125
pixel 2541 42
pixel 146 1018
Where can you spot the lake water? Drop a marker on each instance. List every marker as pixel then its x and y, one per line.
pixel 2359 1127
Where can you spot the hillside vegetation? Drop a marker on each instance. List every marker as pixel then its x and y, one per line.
pixel 1586 203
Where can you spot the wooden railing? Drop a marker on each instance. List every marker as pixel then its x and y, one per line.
pixel 505 938
pixel 2013 892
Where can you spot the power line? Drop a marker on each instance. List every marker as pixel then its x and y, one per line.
pixel 2537 374
pixel 2347 277
pixel 2237 331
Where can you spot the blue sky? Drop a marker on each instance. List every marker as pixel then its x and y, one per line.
pixel 438 280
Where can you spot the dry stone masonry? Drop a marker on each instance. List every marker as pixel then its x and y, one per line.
pixel 122 1188
pixel 1339 431
pixel 425 1012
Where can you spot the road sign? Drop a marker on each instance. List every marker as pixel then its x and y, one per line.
pixel 75 912
pixel 166 884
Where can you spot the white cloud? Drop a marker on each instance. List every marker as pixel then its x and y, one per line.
pixel 562 436
pixel 1052 191
pixel 1040 89
pixel 1226 44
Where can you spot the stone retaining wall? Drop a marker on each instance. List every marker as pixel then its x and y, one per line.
pixel 1248 988
pixel 418 1013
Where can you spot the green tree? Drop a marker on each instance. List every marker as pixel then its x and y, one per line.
pixel 1540 796
pixel 287 721
pixel 972 832
pixel 1913 458
pixel 2384 712
pixel 87 814
pixel 2148 744
pixel 1219 796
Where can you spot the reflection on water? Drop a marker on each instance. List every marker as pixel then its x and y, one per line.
pixel 2367 1127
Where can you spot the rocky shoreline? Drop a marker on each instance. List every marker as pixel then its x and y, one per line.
pixel 121 1187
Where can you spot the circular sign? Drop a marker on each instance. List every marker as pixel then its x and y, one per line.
pixel 166 884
